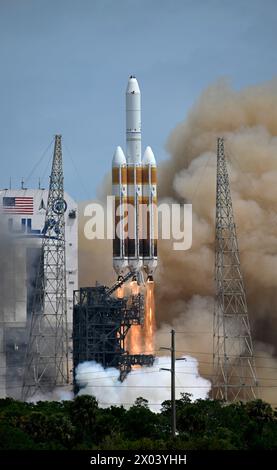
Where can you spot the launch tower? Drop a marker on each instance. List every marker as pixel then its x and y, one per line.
pixel 100 325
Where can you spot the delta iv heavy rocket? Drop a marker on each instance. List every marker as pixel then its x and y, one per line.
pixel 135 191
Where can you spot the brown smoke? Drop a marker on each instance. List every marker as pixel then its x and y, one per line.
pixel 95 262
pixel 185 286
pixel 248 121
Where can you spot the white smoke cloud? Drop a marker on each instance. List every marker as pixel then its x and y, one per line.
pixel 150 383
pixel 58 394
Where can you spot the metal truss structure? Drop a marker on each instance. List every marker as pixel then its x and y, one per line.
pixel 100 325
pixel 234 374
pixel 46 364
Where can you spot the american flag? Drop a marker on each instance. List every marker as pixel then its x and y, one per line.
pixel 18 205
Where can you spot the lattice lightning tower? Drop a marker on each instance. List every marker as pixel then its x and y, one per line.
pixel 234 375
pixel 46 365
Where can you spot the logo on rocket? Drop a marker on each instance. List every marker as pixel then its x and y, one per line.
pixel 135 191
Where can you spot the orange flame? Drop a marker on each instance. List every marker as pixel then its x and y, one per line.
pixel 142 340
pixel 120 292
pixel 149 319
pixel 134 338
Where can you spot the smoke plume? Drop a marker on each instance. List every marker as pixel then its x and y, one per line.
pixel 247 120
pixel 13 337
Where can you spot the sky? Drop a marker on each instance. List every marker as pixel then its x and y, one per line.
pixel 65 66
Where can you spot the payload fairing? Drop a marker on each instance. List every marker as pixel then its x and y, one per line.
pixel 135 191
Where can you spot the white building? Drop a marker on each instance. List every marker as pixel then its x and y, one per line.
pixel 22 221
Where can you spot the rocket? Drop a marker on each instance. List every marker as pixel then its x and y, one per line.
pixel 134 181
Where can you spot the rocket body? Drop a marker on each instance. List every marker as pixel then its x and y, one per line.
pixel 133 122
pixel 135 187
pixel 134 175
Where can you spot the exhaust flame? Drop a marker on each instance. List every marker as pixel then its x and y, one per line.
pixel 134 287
pixel 134 338
pixel 149 320
pixel 142 340
pixel 120 292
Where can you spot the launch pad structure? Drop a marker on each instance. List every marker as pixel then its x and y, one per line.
pixel 100 326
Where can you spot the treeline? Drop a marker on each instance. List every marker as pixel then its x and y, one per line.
pixel 82 424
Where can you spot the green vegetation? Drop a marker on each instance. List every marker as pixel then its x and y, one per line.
pixel 81 424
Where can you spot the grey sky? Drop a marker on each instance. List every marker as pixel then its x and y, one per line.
pixel 65 65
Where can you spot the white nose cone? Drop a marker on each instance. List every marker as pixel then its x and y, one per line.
pixel 148 157
pixel 133 86
pixel 119 157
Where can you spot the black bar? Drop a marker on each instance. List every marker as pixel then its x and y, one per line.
pixel 102 459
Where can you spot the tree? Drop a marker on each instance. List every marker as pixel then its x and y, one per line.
pixel 140 421
pixel 14 439
pixel 83 412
